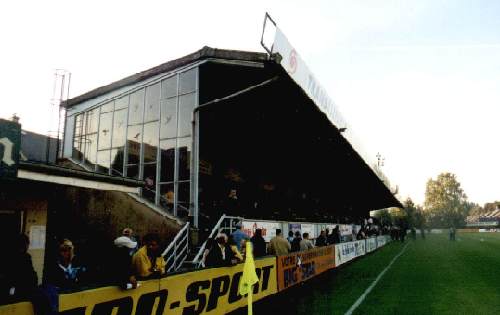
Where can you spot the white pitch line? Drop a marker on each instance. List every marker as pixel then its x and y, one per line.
pixel 370 288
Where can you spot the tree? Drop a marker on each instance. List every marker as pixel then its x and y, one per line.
pixel 411 211
pixel 384 217
pixel 445 202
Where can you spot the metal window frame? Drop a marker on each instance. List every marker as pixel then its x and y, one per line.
pixel 176 150
pixel 111 140
pixel 125 149
pixel 195 119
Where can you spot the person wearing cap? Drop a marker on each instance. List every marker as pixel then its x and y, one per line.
pixel 148 262
pixel 128 232
pixel 121 270
pixel 238 236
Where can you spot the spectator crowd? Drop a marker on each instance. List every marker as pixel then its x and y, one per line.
pixel 132 260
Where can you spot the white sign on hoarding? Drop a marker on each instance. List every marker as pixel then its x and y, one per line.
pixel 345 229
pixel 381 240
pixel 359 248
pixel 268 228
pixel 308 228
pixel 330 227
pixel 371 244
pixel 344 252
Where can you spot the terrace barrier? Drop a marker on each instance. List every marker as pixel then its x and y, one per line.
pixel 207 291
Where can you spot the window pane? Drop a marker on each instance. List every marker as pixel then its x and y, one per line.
pixel 167 148
pixel 90 149
pixel 92 120
pixel 167 196
pixel 105 131
pixel 133 171
pixel 84 124
pixel 186 107
pixel 150 141
pixel 121 102
pixel 168 118
pixel 150 175
pixel 119 128
pixel 169 87
pixel 103 161
pixel 78 124
pixel 152 102
pixel 184 158
pixel 108 107
pixel 77 148
pixel 117 162
pixel 183 200
pixel 77 140
pixel 136 108
pixel 188 81
pixel 134 139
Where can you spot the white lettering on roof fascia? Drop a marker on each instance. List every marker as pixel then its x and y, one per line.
pixel 300 73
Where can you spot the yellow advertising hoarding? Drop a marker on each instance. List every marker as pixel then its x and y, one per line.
pixel 301 266
pixel 25 308
pixel 208 291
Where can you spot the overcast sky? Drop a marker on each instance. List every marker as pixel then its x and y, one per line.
pixel 419 81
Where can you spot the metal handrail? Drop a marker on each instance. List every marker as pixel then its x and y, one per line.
pixel 197 259
pixel 178 251
pixel 202 248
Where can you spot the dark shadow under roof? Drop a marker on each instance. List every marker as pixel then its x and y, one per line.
pixel 204 53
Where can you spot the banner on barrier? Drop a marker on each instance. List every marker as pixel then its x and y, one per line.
pixel 208 291
pixel 297 267
pixel 345 252
pixel 360 248
pixel 345 229
pixel 303 228
pixel 381 240
pixel 308 228
pixel 268 228
pixel 371 244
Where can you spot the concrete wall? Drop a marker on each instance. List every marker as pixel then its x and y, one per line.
pixel 92 219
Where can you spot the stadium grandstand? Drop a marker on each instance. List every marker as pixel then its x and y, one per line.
pixel 489 219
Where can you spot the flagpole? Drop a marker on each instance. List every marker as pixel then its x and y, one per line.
pixel 250 308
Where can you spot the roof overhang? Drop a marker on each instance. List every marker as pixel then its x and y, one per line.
pixel 373 193
pixel 69 177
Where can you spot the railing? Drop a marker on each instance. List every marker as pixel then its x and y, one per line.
pixel 225 224
pixel 176 253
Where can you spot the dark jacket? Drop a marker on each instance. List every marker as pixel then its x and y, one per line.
pixel 259 246
pixel 321 241
pixel 296 244
pixel 121 269
pixel 20 274
pixel 65 280
pixel 215 259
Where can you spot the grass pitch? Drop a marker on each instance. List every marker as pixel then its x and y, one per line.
pixel 433 276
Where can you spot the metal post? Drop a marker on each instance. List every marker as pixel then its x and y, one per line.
pixel 195 156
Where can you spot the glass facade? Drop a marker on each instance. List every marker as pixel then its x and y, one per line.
pixel 145 134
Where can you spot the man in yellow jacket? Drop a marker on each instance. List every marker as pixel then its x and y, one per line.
pixel 147 261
